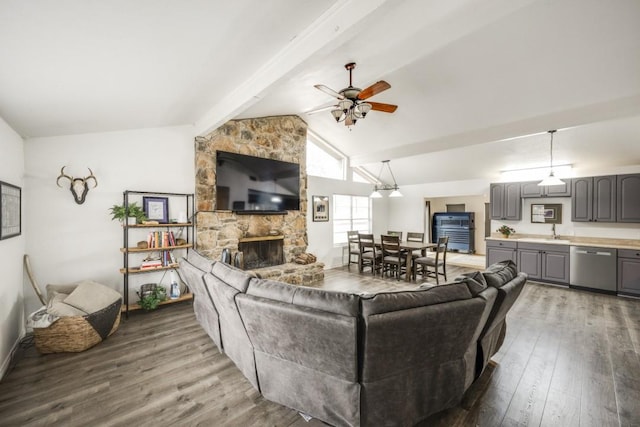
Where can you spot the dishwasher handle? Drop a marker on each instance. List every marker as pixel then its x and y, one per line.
pixel 585 252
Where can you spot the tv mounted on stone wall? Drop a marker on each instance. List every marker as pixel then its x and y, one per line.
pixel 249 184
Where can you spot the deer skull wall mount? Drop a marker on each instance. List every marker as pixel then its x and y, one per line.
pixel 79 186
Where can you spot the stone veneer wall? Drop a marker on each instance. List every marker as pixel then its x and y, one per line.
pixel 280 138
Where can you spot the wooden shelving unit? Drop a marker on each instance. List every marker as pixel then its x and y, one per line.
pixel 185 297
pixel 132 266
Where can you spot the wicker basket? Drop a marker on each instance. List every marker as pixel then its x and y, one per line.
pixel 78 333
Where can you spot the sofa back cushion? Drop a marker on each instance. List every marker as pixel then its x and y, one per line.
pixel 232 276
pixel 492 335
pixel 413 350
pixel 200 261
pixel 306 347
pixel 233 335
pixel 203 306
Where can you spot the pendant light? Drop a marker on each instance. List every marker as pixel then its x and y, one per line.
pixel 551 179
pixel 395 191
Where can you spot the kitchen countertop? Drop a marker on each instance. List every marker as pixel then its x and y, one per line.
pixel 572 241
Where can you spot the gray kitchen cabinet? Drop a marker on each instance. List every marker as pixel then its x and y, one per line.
pixel 499 250
pixel 629 271
pixel 506 203
pixel 628 195
pixel 593 199
pixel 531 189
pixel 545 262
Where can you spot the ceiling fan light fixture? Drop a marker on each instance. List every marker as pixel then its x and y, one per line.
pixel 337 114
pixel 345 105
pixel 363 108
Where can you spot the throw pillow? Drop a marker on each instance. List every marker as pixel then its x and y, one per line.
pixel 500 273
pixel 57 306
pixel 91 297
pixel 475 281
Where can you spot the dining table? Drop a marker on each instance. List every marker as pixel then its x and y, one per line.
pixel 410 246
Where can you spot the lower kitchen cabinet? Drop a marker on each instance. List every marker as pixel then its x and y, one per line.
pixel 500 250
pixel 548 263
pixel 629 271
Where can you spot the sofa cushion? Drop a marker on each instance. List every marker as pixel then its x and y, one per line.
pixel 500 273
pixel 66 288
pixel 200 261
pixel 475 282
pixel 232 276
pixel 90 297
pixel 57 306
pixel 395 301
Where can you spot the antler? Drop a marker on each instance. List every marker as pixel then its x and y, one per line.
pixel 95 180
pixel 63 175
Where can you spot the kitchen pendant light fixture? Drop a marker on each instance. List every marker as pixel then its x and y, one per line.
pixel 551 179
pixel 395 191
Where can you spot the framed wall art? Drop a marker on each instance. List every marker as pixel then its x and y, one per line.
pixel 320 208
pixel 547 213
pixel 10 210
pixel 156 209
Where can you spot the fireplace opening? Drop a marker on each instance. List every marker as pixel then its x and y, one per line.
pixel 260 252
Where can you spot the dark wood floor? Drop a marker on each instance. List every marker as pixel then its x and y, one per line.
pixel 570 358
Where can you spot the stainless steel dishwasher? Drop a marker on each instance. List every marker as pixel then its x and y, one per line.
pixel 592 267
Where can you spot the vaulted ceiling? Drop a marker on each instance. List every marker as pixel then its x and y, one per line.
pixel 467 75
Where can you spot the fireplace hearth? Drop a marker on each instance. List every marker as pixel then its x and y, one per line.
pixel 260 252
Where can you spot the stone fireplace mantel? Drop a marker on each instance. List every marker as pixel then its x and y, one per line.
pixel 279 138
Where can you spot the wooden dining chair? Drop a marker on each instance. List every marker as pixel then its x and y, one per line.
pixel 393 258
pixel 415 237
pixel 395 233
pixel 354 248
pixel 369 256
pixel 438 263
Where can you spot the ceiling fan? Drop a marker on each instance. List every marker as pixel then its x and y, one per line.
pixel 351 104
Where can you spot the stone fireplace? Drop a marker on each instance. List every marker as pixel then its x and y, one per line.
pixel 261 252
pixel 280 138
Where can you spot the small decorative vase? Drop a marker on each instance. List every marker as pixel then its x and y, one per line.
pixel 506 236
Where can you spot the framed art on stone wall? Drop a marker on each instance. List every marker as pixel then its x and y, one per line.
pixel 320 208
pixel 10 211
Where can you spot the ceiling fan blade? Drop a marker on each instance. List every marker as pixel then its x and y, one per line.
pixel 329 91
pixel 374 89
pixel 385 108
pixel 320 109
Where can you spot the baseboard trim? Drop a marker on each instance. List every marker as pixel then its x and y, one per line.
pixel 7 361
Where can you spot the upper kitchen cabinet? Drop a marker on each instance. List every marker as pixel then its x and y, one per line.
pixel 628 189
pixel 506 203
pixel 532 189
pixel 593 199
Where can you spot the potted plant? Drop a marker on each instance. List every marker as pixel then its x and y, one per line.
pixel 122 213
pixel 151 298
pixel 506 231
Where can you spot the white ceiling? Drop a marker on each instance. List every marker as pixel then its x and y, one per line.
pixel 465 74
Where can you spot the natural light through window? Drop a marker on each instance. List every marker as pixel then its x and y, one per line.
pixel 321 162
pixel 350 213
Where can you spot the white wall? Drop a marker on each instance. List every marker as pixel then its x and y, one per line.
pixel 11 250
pixel 320 234
pixel 70 242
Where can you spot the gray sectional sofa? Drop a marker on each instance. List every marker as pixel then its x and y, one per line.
pixel 389 359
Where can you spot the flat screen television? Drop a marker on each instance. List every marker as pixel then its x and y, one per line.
pixel 248 184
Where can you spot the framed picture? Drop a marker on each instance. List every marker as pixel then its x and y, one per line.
pixel 156 209
pixel 547 214
pixel 10 211
pixel 320 208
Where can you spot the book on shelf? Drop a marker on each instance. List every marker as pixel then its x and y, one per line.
pixel 155 263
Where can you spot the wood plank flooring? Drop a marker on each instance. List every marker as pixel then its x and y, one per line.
pixel 570 358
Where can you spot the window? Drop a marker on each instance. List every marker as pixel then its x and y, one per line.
pixel 323 160
pixel 350 213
